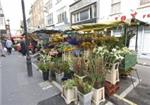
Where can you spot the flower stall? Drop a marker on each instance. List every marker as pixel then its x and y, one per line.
pixel 88 64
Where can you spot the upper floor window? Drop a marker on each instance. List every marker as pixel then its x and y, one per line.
pixel 50 19
pixel 115 6
pixel 143 2
pixel 62 17
pixel 84 14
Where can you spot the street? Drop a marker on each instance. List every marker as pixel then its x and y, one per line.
pixel 141 94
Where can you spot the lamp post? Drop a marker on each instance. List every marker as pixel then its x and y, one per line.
pixel 28 58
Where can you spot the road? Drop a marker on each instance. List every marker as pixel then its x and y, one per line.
pixel 141 94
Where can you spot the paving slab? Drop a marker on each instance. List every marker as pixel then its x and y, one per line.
pixel 18 88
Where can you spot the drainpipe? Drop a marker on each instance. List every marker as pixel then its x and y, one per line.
pixel 136 41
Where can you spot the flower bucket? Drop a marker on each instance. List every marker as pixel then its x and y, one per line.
pixel 98 96
pixel 113 75
pixel 69 95
pixel 45 75
pixel 59 77
pixel 85 99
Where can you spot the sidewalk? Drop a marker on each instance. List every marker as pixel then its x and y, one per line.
pixel 18 88
pixel 144 61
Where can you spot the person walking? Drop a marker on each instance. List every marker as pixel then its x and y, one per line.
pixel 23 47
pixel 9 45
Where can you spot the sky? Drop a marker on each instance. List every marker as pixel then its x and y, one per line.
pixel 13 11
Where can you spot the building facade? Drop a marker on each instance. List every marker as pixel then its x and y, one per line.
pixel 61 14
pixel 2 22
pixel 37 15
pixel 57 14
pixel 83 11
pixel 95 11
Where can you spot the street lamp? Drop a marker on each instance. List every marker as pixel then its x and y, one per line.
pixel 28 58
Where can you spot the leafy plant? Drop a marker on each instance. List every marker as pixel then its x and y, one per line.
pixel 69 84
pixel 83 86
pixel 60 65
pixel 44 62
pixel 79 65
pixel 96 71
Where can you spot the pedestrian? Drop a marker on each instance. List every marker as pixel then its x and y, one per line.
pixel 2 50
pixel 9 45
pixel 23 47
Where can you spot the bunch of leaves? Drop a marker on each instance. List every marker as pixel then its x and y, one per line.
pixel 79 65
pixel 44 62
pixel 69 84
pixel 59 65
pixel 109 57
pixel 83 86
pixel 96 70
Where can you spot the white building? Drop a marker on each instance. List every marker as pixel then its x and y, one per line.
pixel 57 14
pixel 2 22
pixel 94 11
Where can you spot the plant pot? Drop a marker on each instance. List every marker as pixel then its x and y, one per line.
pixel 85 99
pixel 69 95
pixel 59 77
pixel 45 75
pixel 98 96
pixel 52 75
pixel 113 75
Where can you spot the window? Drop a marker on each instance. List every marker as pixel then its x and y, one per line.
pixel 116 6
pixel 84 15
pixel 142 2
pixel 49 4
pixel 50 19
pixel 62 17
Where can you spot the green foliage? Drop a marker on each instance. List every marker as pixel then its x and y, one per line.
pixel 97 71
pixel 83 86
pixel 69 84
pixel 60 65
pixel 44 62
pixel 43 66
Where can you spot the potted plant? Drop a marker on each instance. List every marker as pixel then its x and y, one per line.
pixel 84 92
pixel 69 91
pixel 60 66
pixel 111 60
pixel 130 60
pixel 97 73
pixel 44 65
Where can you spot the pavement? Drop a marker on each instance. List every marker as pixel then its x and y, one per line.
pixel 19 89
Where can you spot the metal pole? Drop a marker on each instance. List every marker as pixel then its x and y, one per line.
pixel 28 58
pixel 136 41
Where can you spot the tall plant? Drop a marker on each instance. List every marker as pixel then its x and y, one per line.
pixel 44 62
pixel 96 70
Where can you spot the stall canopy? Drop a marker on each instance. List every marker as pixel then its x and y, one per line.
pixel 107 25
pixel 44 34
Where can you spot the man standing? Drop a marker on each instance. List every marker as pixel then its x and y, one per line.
pixel 9 45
